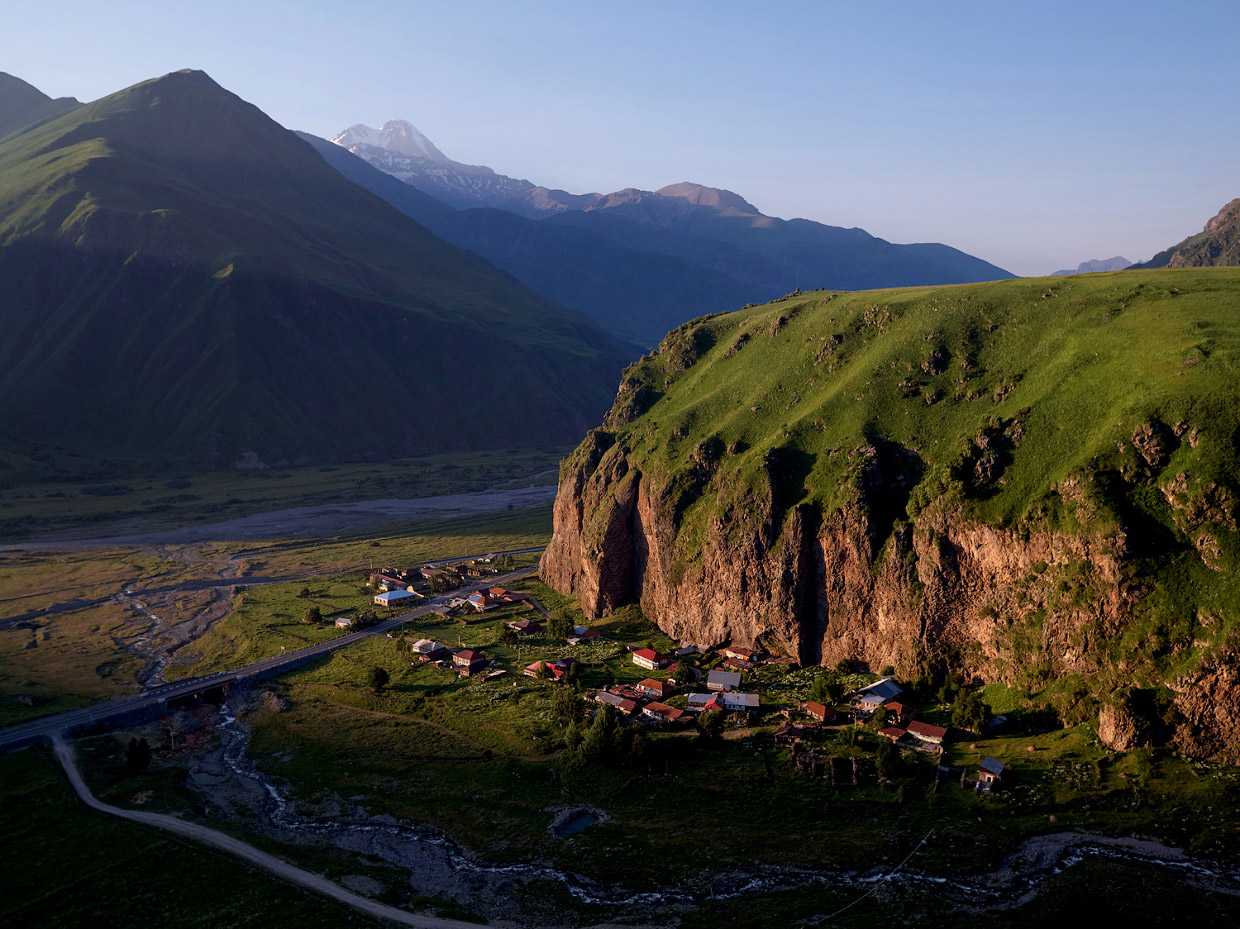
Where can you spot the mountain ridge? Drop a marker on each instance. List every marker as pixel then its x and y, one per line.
pixel 190 280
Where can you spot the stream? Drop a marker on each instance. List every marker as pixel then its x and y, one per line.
pixel 436 863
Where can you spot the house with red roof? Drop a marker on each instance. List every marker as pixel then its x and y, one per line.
pixel 925 732
pixel 652 688
pixel 660 713
pixel 649 659
pixel 469 662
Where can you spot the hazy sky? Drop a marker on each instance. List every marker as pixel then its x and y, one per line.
pixel 1034 135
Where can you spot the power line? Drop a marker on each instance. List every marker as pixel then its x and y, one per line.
pixel 877 883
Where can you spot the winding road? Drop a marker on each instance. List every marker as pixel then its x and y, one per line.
pixel 248 853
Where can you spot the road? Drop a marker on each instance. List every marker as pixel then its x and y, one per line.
pixel 154 698
pixel 247 853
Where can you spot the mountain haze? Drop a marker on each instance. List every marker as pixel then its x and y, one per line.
pixel 642 262
pixel 189 281
pixel 1094 265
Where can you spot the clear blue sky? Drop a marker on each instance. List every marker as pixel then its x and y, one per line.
pixel 1034 135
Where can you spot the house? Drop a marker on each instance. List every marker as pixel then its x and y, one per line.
pixel 395 598
pixel 901 713
pixel 430 571
pixel 524 626
pixel 720 681
pixel 736 664
pixel 895 733
pixel 688 649
pixel 428 650
pixel 652 688
pixel 790 735
pixel 504 595
pixel 824 714
pixel 469 662
pixel 738 702
pixel 556 669
pixel 868 703
pixel 583 636
pixel 741 654
pixel 699 702
pixel 990 772
pixel 481 602
pixel 622 704
pixel 886 689
pixel 391 582
pixel 925 732
pixel 649 659
pixel 344 622
pixel 661 713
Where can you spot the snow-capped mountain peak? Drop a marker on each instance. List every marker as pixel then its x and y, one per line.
pixel 397 136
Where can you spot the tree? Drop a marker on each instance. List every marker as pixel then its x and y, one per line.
pixel 609 676
pixel 508 637
pixel 543 672
pixel 566 706
pixel 710 724
pixel 827 688
pixel 304 593
pixel 560 625
pixel 138 755
pixel 970 712
pixel 378 679
pixel 313 615
pixel 888 760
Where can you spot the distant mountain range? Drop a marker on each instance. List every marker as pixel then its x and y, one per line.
pixel 1217 244
pixel 640 262
pixel 187 281
pixel 1094 265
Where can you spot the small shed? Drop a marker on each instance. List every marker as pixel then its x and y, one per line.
pixel 990 772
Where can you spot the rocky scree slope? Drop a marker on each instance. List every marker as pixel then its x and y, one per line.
pixel 1033 482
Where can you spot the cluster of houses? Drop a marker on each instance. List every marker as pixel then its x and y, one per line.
pixel 403 586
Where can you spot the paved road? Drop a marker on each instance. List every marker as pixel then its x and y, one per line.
pixel 247 853
pixel 99 713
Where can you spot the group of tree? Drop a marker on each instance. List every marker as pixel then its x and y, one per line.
pixel 560 624
pixel 138 755
pixel 607 740
pixel 828 688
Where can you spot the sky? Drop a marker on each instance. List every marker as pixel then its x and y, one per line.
pixel 1035 136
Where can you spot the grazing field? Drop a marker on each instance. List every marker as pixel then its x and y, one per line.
pixel 77 868
pixel 36 580
pixel 66 661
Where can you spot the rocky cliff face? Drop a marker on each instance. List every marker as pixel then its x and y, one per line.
pixel 831 588
pixel 825 588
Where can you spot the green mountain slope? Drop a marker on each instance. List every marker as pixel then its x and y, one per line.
pixel 1023 479
pixel 1217 244
pixel 21 104
pixel 190 281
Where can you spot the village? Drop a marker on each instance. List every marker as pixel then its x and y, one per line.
pixel 684 690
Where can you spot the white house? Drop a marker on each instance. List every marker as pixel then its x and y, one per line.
pixel 394 598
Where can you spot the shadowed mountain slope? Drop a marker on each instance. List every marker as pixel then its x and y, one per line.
pixel 189 281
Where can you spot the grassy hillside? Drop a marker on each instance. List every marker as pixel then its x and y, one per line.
pixel 189 281
pixel 1101 406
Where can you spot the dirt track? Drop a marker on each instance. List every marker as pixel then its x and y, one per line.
pixel 248 853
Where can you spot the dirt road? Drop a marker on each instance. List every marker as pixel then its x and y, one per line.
pixel 248 853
